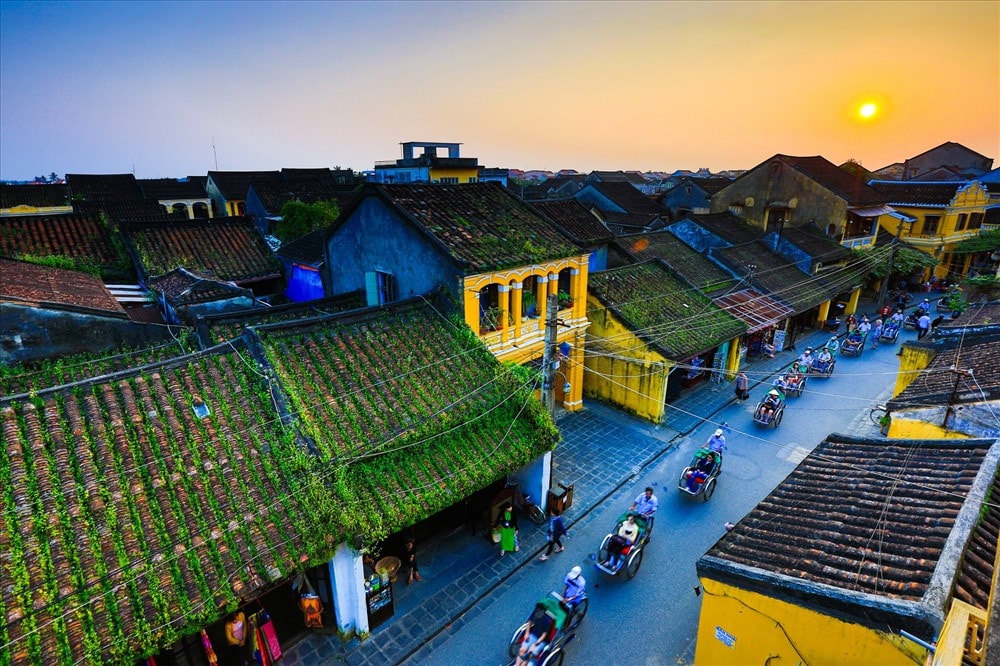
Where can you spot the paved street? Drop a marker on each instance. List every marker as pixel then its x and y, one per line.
pixel 472 600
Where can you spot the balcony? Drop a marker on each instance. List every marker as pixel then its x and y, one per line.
pixel 963 637
pixel 858 242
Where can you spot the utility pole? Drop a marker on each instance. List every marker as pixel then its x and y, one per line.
pixel 549 360
pixel 951 399
pixel 883 291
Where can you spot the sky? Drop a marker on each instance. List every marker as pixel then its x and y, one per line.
pixel 170 89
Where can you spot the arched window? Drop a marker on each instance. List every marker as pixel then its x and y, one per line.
pixel 179 208
pixel 200 209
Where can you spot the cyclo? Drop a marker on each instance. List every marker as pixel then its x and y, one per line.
pixel 630 555
pixel 552 626
pixel 698 478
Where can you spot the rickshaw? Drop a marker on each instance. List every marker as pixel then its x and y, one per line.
pixel 565 620
pixel 854 343
pixel 699 477
pixel 793 381
pixel 770 410
pixel 890 332
pixel 824 368
pixel 632 554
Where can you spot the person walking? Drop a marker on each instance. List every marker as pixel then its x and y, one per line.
pixel 876 333
pixel 742 387
pixel 923 325
pixel 410 560
pixel 557 530
pixel 507 523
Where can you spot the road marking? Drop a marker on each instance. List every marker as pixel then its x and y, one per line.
pixel 793 453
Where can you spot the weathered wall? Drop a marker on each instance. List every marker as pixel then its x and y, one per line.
pixel 31 334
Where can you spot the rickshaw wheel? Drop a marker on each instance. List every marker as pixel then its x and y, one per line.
pixel 515 640
pixel 709 489
pixel 602 552
pixel 777 417
pixel 579 612
pixel 632 565
pixel 683 478
pixel 554 658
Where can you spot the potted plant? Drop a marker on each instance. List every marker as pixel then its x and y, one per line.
pixel 491 319
pixel 564 300
pixel 530 303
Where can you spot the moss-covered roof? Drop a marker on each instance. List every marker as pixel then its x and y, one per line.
pixel 661 310
pixel 690 264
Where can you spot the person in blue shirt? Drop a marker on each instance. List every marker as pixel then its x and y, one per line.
pixel 575 587
pixel 717 442
pixel 646 504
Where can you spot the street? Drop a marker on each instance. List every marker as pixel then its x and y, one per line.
pixel 652 619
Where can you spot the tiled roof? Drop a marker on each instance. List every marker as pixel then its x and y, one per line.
pixel 328 177
pixel 658 308
pixel 631 222
pixel 629 197
pixel 228 247
pixel 481 224
pixel 618 177
pixel 913 193
pixel 687 262
pixel 977 314
pixel 726 226
pixel 709 185
pixel 974 581
pixel 817 245
pixel 104 187
pixel 937 385
pixel 411 406
pixel 275 194
pixel 77 236
pixel 182 287
pixel 171 188
pixel 128 521
pixel 36 196
pixel 306 250
pixel 234 184
pixel 860 515
pixel 31 284
pixel 119 212
pixel 575 220
pixel 845 185
pixel 216 328
pixel 754 309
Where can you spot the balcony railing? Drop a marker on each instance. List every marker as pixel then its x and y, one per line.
pixel 962 638
pixel 859 242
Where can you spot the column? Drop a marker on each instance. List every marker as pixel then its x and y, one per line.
pixel 542 298
pixel 503 303
pixel 471 307
pixel 347 580
pixel 852 303
pixel 573 370
pixel 516 307
pixel 824 312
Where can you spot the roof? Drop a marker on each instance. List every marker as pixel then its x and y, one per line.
pixel 149 510
pixel 103 187
pixel 816 244
pixel 631 222
pixel 36 196
pixel 870 518
pixel 974 581
pixel 726 226
pixel 754 309
pixel 234 184
pixel 228 247
pixel 976 315
pixel 183 287
pixel 83 237
pixel 690 264
pixel 481 225
pixel 847 186
pixel 946 145
pixel 575 220
pixel 171 188
pixel 618 177
pixel 629 197
pixel 915 193
pixel 306 250
pixel 275 194
pixel 30 284
pixel 118 212
pixel 654 305
pixel 407 430
pixel 709 184
pixel 327 177
pixel 219 327
pixel 937 384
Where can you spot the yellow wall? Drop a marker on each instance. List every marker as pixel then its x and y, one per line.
pixel 912 360
pixel 628 373
pixel 463 175
pixel 774 632
pixel 901 427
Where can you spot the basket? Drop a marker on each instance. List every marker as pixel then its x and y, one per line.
pixel 388 565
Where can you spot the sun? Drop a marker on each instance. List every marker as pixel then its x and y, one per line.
pixel 868 110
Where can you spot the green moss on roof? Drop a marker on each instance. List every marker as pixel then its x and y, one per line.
pixel 666 313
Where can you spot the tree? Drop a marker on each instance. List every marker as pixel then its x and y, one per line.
pixel 299 219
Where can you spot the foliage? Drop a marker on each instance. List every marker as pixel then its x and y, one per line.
pixel 986 241
pixel 81 264
pixel 906 262
pixel 983 287
pixel 299 219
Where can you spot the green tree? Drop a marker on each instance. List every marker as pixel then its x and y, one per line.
pixel 298 219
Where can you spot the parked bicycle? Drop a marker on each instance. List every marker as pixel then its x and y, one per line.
pixel 880 417
pixel 524 502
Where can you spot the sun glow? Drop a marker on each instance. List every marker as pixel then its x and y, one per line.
pixel 867 110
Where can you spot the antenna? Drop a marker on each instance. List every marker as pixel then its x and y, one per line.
pixel 215 154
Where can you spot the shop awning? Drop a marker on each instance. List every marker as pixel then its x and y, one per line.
pixel 871 212
pixel 754 309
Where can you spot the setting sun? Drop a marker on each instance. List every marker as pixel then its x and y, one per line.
pixel 867 110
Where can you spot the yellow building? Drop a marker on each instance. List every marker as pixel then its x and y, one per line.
pixel 821 573
pixel 48 199
pixel 652 336
pixel 936 216
pixel 426 166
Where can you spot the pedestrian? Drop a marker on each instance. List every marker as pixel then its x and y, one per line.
pixel 923 325
pixel 507 522
pixel 852 322
pixel 742 386
pixel 876 333
pixel 410 560
pixel 937 321
pixel 557 529
pixel 237 632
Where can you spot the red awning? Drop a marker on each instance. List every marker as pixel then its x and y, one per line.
pixel 755 310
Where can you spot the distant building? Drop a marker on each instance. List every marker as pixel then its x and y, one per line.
pixel 427 166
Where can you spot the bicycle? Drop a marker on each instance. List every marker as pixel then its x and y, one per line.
pixel 880 417
pixel 523 502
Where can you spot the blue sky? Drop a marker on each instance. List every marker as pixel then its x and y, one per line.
pixel 115 87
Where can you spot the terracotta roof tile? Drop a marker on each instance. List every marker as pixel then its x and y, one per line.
pixel 936 382
pixel 754 309
pixel 653 304
pixel 818 524
pixel 31 284
pixel 688 262
pixel 228 247
pixel 912 193
pixel 306 249
pixel 104 187
pixel 482 224
pixel 183 287
pixel 575 220
pixel 76 236
pixel 974 582
pixel 37 196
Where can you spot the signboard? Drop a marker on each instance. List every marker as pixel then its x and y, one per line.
pixel 725 637
pixel 779 341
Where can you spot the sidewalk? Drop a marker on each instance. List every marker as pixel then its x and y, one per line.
pixel 601 450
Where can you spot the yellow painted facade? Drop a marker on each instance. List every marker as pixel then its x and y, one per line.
pixel 913 428
pixel 939 238
pixel 739 627
pixel 632 376
pixel 467 175
pixel 912 360
pixel 35 210
pixel 520 339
